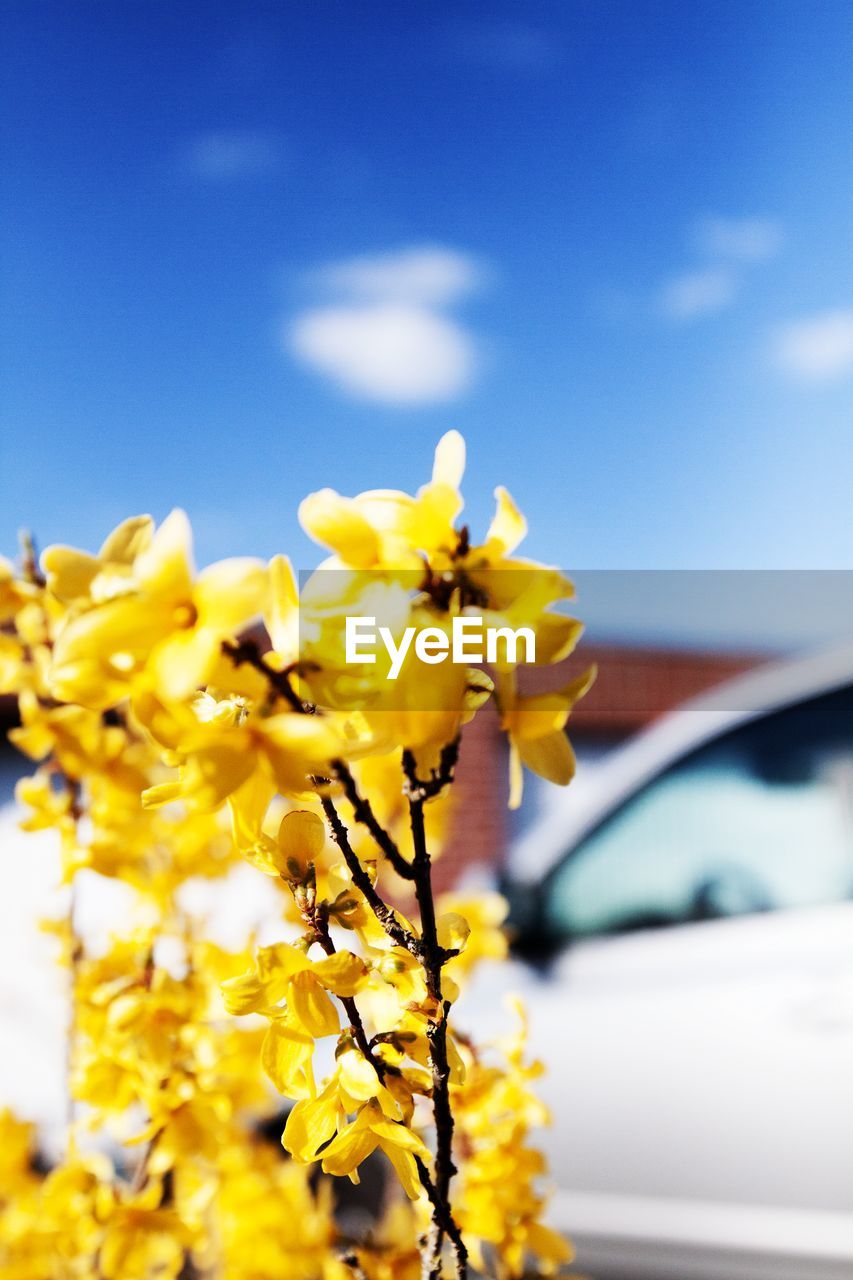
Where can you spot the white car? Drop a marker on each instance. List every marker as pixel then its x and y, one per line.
pixel 687 962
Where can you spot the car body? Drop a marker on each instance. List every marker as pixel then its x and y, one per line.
pixel 687 964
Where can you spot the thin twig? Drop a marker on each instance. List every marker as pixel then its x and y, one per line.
pixel 426 788
pixel 320 924
pixel 398 934
pixel 363 813
pixel 433 958
pixel 247 653
pixel 30 560
pixel 75 956
pixel 443 1214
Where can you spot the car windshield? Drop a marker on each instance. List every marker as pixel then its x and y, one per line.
pixel 759 819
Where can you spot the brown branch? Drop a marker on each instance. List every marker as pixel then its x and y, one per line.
pixel 363 813
pixel 444 1218
pixel 247 653
pixel 434 957
pixel 30 560
pixel 427 788
pixel 75 957
pixel 319 922
pixel 399 935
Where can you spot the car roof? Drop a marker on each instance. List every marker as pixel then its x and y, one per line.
pixel 771 687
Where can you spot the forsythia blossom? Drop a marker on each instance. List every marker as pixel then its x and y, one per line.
pixel 181 723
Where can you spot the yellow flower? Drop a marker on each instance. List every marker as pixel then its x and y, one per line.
pixel 536 729
pixel 384 528
pixel 142 1239
pixel 160 618
pixel 12 665
pixel 283 973
pixel 371 1129
pixel 15 593
pixel 220 753
pixel 74 576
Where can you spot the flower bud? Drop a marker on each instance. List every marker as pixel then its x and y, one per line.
pixel 301 837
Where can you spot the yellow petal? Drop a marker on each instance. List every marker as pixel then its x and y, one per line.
pixel 244 993
pixel 516 776
pixel 478 689
pixel 127 541
pixel 214 771
pixel 508 526
pixel 551 757
pixel 286 1056
pixel 297 746
pixel 311 1123
pixel 398 1135
pixel 454 1057
pixel 357 1076
pixel 281 616
pixel 405 1168
pixel 281 960
pixel 431 521
pixel 182 664
pixel 163 793
pixel 545 712
pixel 230 594
pixel 165 568
pixel 347 1151
pixel 556 637
pixel 343 973
pixel 336 522
pixel 453 930
pixel 69 572
pixel 248 807
pixel 311 1007
pixel 449 464
pixel 547 1244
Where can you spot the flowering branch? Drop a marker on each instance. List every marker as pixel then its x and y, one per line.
pixel 179 769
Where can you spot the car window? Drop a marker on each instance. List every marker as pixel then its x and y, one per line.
pixel 759 819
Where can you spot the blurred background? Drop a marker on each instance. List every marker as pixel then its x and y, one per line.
pixel 254 249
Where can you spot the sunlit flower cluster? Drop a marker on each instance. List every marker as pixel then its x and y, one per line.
pixel 183 723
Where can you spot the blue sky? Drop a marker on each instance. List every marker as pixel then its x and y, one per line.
pixel 253 249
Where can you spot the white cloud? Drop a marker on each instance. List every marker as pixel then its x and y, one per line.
pixel 393 352
pixel 428 274
pixel 697 293
pixel 227 155
pixel 818 348
pixel 385 335
pixel 743 239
